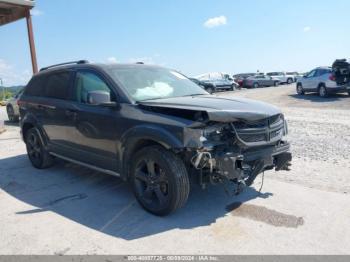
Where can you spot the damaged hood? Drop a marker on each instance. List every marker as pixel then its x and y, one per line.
pixel 219 109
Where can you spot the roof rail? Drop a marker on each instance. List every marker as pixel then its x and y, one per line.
pixel 67 63
pixel 140 63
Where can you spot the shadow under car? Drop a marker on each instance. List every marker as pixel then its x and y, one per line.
pixel 106 203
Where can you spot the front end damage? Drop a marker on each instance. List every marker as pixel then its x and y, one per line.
pixel 237 151
pixel 228 139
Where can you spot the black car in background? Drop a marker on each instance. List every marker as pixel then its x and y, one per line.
pixel 150 126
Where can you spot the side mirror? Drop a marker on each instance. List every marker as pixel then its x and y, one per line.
pixel 102 98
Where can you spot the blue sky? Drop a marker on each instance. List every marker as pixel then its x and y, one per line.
pixel 240 36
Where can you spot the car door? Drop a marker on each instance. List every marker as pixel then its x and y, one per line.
pixel 53 106
pixel 308 81
pixel 267 80
pixel 97 127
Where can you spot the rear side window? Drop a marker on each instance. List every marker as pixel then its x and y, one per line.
pixel 57 85
pixel 35 86
pixel 321 72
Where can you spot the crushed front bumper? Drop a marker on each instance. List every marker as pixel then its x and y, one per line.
pixel 233 166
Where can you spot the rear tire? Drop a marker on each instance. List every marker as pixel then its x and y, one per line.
pixel 276 83
pixel 289 81
pixel 159 180
pixel 322 91
pixel 300 90
pixel 11 114
pixel 210 90
pixel 37 154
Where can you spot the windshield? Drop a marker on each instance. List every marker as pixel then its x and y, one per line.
pixel 147 83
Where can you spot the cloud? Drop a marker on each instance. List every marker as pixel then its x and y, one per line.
pixel 11 77
pixel 215 21
pixel 145 59
pixel 306 29
pixel 112 60
pixel 36 12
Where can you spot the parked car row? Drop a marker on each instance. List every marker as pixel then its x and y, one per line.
pixel 223 81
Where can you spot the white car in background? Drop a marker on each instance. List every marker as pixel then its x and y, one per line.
pixel 12 108
pixel 322 81
pixel 283 77
pixel 221 81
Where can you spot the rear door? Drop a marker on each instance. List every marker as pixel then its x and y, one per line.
pixel 267 80
pixel 309 80
pixel 96 127
pixel 55 105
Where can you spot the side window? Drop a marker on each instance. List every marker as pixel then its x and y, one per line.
pixel 323 71
pixel 86 82
pixel 57 85
pixel 311 74
pixel 19 93
pixel 35 86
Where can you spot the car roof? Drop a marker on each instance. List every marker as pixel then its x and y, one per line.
pixel 323 67
pixel 93 66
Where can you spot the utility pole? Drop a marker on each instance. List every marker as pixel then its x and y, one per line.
pixel 3 89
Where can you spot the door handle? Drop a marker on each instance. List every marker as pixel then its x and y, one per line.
pixel 41 106
pixel 71 112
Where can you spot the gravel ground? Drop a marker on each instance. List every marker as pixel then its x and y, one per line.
pixel 319 131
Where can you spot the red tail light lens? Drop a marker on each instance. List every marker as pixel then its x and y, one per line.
pixel 332 77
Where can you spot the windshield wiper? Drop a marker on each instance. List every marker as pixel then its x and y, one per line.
pixel 194 95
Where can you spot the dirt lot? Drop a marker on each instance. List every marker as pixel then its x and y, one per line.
pixel 72 210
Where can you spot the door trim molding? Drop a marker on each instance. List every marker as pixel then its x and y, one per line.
pixel 106 171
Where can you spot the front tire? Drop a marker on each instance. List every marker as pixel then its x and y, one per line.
pixel 159 179
pixel 255 85
pixel 276 83
pixel 289 81
pixel 37 154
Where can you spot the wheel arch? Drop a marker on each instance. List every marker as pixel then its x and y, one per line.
pixel 140 137
pixel 28 122
pixel 321 84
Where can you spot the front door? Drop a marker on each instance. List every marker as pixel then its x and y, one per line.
pixel 96 127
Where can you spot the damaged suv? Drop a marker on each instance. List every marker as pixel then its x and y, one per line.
pixel 150 126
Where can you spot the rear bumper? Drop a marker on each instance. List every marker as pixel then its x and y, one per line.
pixel 338 89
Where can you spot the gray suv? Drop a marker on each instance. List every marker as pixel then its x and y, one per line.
pixel 322 81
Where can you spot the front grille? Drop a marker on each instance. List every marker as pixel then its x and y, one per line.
pixel 261 131
pixel 253 137
pixel 276 133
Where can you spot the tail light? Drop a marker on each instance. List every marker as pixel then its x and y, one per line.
pixel 332 77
